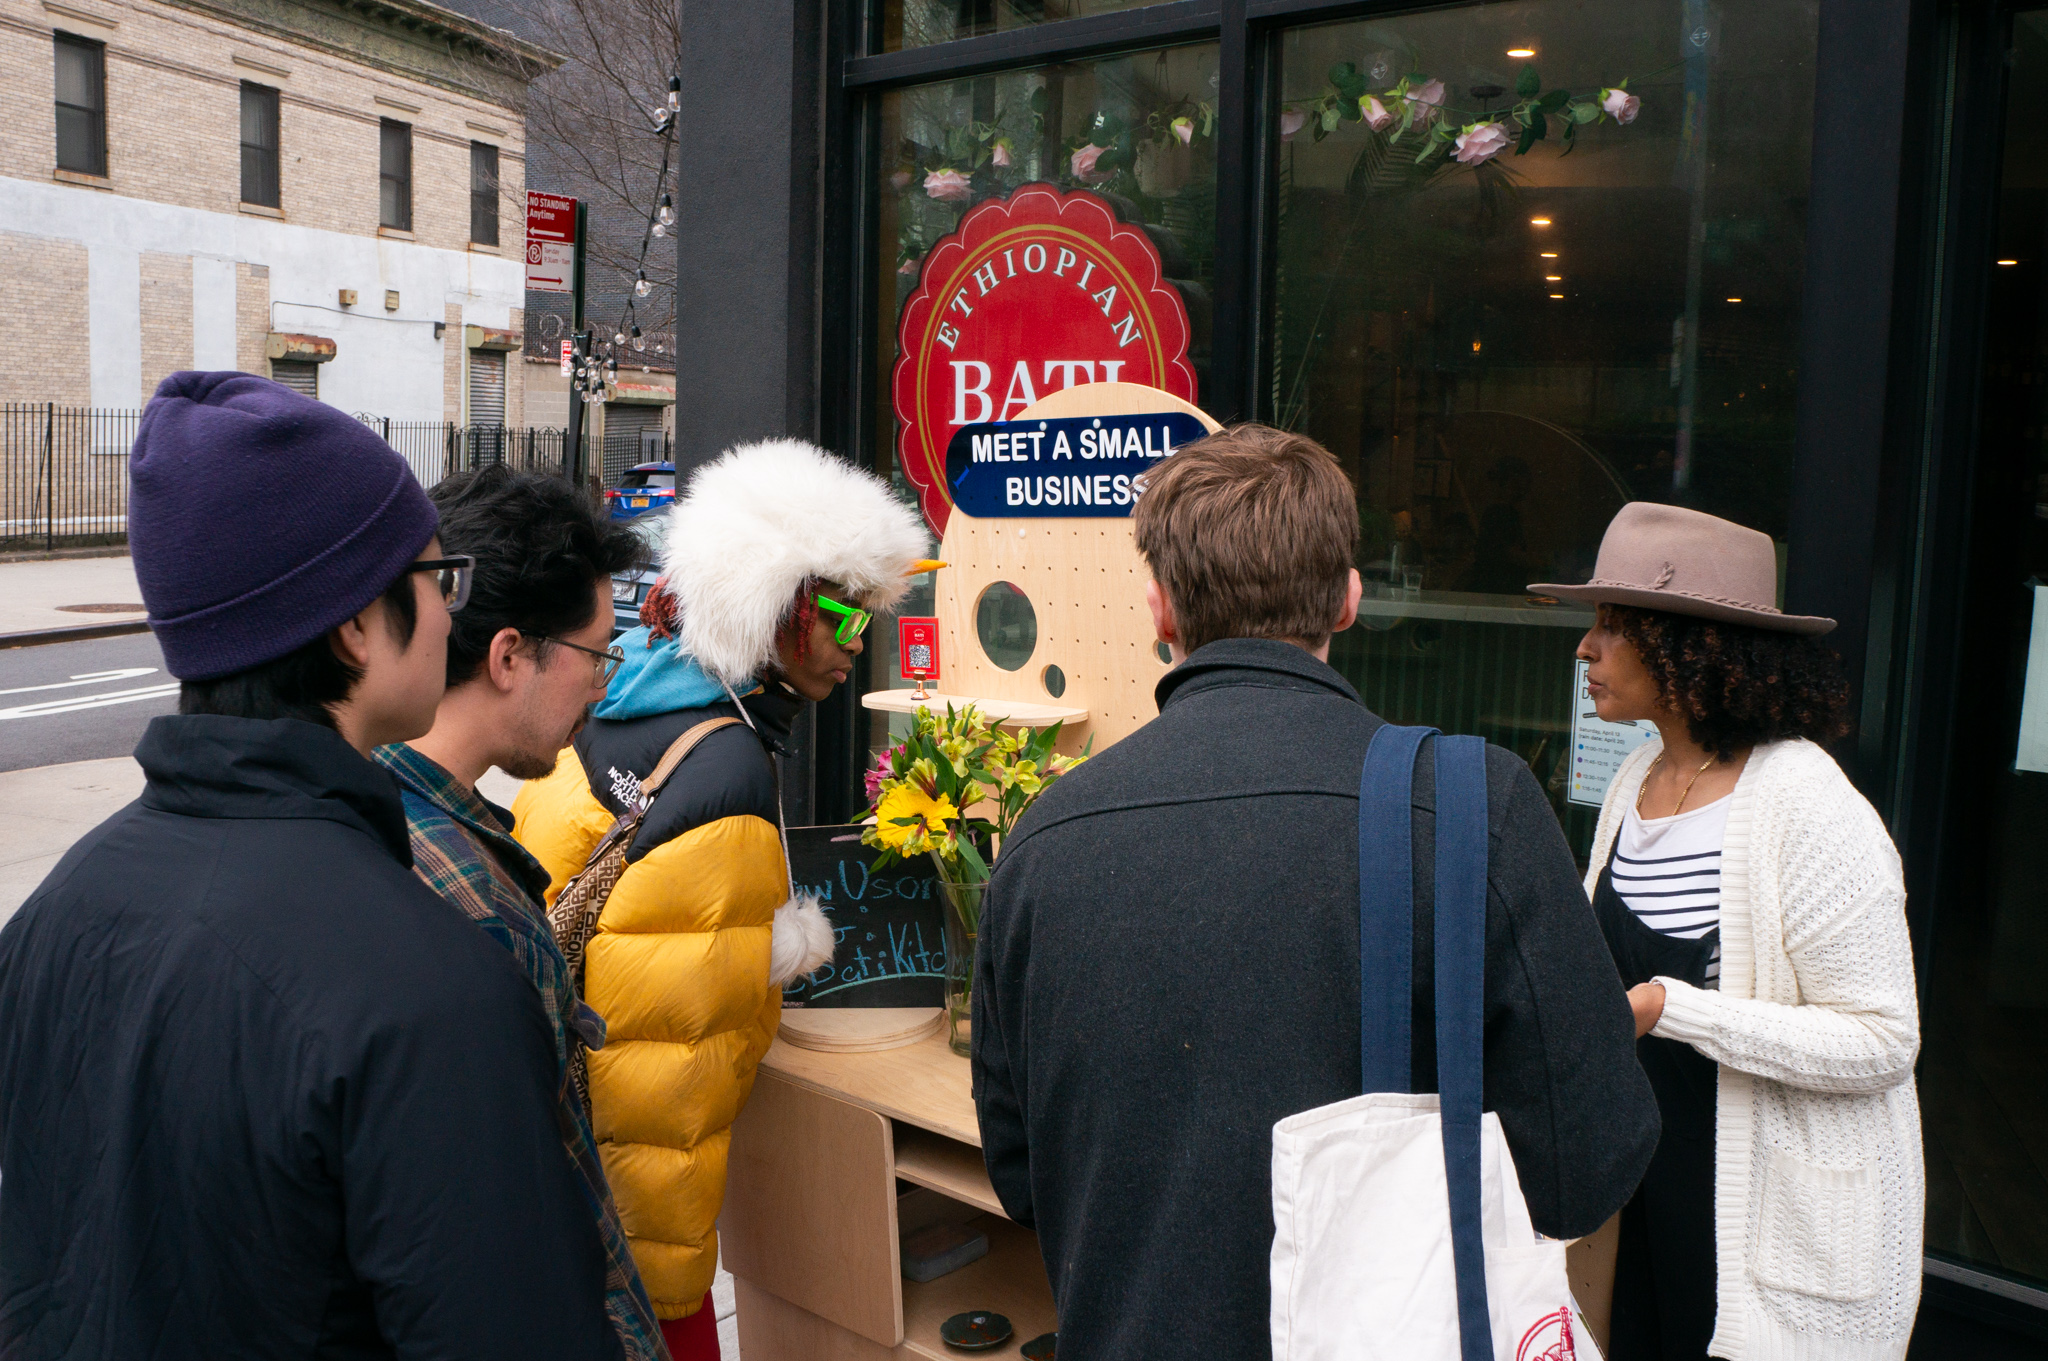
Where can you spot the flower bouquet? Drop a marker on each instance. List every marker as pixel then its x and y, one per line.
pixel 953 789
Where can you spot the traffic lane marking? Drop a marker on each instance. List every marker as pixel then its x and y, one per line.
pixel 70 704
pixel 88 678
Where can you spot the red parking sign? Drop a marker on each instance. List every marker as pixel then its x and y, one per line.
pixel 550 242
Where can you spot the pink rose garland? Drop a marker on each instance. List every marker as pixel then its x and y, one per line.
pixel 948 186
pixel 1481 142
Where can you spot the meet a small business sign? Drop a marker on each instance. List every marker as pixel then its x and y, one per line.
pixel 1078 467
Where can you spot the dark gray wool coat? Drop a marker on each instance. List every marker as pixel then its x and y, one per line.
pixel 1168 965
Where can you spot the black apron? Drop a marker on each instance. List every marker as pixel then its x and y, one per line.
pixel 1664 1280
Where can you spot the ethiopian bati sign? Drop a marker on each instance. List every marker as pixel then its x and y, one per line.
pixel 1030 294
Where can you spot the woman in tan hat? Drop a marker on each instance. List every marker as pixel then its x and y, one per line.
pixel 1754 904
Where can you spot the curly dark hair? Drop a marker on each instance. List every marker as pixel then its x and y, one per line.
pixel 541 546
pixel 1737 686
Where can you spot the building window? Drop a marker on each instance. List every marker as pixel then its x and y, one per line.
pixel 81 105
pixel 259 145
pixel 394 175
pixel 487 387
pixel 297 375
pixel 483 194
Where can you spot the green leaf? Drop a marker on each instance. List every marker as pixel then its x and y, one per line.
pixel 1529 136
pixel 1554 101
pixel 1429 149
pixel 1341 72
pixel 972 855
pixel 1528 84
pixel 1330 117
pixel 1039 102
pixel 1586 111
pixel 1571 132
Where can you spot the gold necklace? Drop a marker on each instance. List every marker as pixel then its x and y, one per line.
pixel 1658 760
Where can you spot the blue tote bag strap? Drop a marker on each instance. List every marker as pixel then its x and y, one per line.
pixel 1386 963
pixel 1460 1016
pixel 1386 907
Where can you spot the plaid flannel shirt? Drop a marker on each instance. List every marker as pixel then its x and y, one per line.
pixel 465 853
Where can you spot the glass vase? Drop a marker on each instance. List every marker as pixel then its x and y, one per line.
pixel 963 920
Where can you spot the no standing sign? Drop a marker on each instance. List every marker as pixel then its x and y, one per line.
pixel 550 242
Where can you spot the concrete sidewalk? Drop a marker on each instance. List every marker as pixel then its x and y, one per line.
pixel 46 809
pixel 33 594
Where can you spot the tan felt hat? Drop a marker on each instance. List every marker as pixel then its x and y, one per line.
pixel 1681 561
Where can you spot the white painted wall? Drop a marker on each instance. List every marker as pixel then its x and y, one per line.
pixel 387 363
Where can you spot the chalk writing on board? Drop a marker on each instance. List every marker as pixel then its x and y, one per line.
pixel 890 948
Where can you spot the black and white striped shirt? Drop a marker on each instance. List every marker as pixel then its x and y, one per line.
pixel 1668 872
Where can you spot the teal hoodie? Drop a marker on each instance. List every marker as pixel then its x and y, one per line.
pixel 658 677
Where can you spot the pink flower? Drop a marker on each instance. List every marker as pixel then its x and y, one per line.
pixel 1001 156
pixel 872 783
pixel 1427 99
pixel 1291 122
pixel 949 186
pixel 1481 142
pixel 900 180
pixel 1374 113
pixel 1183 128
pixel 1084 163
pixel 1620 105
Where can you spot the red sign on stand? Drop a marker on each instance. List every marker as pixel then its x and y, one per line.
pixel 917 647
pixel 1029 295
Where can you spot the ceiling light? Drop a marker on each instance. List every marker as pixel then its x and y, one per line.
pixel 1539 222
pixel 1548 254
pixel 1553 278
pixel 1735 300
pixel 1557 295
pixel 1521 51
pixel 2008 262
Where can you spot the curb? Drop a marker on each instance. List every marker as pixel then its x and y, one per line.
pixel 73 633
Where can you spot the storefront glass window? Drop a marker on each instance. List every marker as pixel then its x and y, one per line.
pixel 1503 352
pixel 918 23
pixel 939 158
pixel 1984 1061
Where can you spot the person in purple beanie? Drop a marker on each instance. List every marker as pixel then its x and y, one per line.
pixel 261 1093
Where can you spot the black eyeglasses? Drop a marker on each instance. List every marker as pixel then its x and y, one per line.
pixel 451 575
pixel 604 664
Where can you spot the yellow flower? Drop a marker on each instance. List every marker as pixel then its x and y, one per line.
pixel 908 815
pixel 1024 775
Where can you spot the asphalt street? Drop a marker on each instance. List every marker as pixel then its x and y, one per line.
pixel 80 701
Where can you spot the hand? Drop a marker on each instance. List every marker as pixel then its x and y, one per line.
pixel 1646 1000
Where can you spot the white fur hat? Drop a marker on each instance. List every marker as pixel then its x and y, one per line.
pixel 759 522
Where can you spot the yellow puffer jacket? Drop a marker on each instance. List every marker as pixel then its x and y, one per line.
pixel 678 968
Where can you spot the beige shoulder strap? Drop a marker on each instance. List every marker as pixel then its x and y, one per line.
pixel 677 750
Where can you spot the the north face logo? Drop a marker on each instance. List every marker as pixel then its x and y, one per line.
pixel 625 787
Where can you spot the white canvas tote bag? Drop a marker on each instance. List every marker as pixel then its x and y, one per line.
pixel 1400 1232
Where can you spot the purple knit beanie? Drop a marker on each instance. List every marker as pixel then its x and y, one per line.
pixel 259 519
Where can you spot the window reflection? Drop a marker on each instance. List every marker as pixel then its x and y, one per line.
pixel 919 23
pixel 1106 126
pixel 1503 353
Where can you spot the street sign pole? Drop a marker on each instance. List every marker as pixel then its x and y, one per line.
pixel 579 464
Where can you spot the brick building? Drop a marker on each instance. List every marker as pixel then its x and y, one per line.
pixel 328 192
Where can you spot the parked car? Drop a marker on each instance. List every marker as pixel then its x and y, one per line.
pixel 645 487
pixel 629 588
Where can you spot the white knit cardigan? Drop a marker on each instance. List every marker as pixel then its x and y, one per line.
pixel 1819 1191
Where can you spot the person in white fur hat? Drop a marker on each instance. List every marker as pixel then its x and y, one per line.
pixel 775 557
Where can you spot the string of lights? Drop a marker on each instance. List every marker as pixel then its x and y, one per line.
pixel 596 376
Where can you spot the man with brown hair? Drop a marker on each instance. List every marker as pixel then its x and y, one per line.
pixel 1169 958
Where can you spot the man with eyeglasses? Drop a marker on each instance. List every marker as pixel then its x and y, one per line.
pixel 527 657
pixel 261 1092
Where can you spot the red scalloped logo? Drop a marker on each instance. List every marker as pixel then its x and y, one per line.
pixel 1030 294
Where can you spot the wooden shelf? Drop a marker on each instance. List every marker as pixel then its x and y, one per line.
pixel 947 1166
pixel 1009 1281
pixel 1011 711
pixel 924 1084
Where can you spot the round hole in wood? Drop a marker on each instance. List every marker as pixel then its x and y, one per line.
pixel 1163 653
pixel 1055 681
pixel 1006 625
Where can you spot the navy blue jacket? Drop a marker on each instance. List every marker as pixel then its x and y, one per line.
pixel 263 1094
pixel 1169 965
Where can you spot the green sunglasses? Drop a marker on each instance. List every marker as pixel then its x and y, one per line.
pixel 852 622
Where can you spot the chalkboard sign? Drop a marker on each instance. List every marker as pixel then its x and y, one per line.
pixel 891 948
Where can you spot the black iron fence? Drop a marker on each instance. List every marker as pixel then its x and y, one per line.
pixel 64 470
pixel 63 475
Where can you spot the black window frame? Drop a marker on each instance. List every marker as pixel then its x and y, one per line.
pixel 1908 94
pixel 394 185
pixel 95 163
pixel 266 161
pixel 484 194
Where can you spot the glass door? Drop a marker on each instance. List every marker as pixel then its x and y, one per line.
pixel 1984 1061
